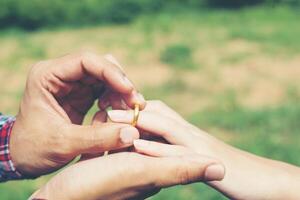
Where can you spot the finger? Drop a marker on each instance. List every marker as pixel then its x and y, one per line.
pixel 138 172
pixel 113 99
pixel 161 108
pixel 115 61
pixel 120 101
pixel 76 67
pixel 100 117
pixel 169 171
pixel 134 98
pixel 103 100
pixel 98 138
pixel 116 101
pixel 154 123
pixel 157 149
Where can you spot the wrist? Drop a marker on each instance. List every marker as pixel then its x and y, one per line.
pixel 23 162
pixel 276 179
pixel 7 167
pixel 208 145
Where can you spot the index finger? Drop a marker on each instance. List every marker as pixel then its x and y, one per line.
pixel 74 67
pixel 156 124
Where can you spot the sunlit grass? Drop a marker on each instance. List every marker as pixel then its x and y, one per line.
pixel 212 41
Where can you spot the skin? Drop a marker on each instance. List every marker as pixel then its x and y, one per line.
pixel 247 176
pixel 48 131
pixel 59 93
pixel 48 134
pixel 127 175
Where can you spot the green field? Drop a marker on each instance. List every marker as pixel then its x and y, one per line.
pixel 234 73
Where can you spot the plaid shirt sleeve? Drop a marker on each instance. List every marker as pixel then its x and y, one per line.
pixel 7 169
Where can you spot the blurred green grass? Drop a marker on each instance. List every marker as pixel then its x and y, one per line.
pixel 216 40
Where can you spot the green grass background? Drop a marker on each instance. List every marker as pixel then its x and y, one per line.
pixel 197 54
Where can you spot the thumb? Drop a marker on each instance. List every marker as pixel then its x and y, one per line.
pixel 100 137
pixel 185 170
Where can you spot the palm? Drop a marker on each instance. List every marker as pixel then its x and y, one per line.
pixel 80 97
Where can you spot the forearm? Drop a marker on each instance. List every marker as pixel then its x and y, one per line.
pixel 252 177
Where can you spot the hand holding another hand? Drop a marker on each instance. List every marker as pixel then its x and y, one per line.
pixel 130 175
pixel 47 133
pixel 159 121
pixel 125 175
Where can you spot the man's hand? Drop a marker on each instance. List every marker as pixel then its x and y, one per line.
pixel 48 133
pixel 126 175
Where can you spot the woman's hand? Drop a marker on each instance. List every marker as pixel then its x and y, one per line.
pixel 247 176
pixel 160 121
pixel 127 175
pixel 48 133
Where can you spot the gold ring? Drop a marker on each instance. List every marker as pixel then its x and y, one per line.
pixel 136 114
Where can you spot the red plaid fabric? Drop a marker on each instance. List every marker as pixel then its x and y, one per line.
pixel 7 169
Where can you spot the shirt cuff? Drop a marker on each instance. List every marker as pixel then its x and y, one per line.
pixel 7 168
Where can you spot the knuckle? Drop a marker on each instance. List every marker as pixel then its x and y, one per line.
pixel 86 55
pixel 36 68
pixel 89 58
pixel 37 74
pixel 39 63
pixel 114 63
pixel 183 172
pixel 183 175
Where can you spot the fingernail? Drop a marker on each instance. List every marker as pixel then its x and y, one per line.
pixel 127 82
pixel 127 135
pixel 214 172
pixel 116 115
